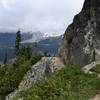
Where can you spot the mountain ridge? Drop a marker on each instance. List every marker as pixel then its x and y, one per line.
pixel 81 41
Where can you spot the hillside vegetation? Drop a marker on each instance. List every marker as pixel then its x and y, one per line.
pixel 12 74
pixel 67 84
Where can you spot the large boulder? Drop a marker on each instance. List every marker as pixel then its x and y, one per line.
pixel 81 42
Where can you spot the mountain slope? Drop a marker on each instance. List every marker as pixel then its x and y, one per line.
pixel 46 45
pixel 50 44
pixel 8 39
pixel 35 37
pixel 81 41
pixel 70 83
pixel 44 68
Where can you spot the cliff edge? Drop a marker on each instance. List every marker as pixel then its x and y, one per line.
pixel 81 42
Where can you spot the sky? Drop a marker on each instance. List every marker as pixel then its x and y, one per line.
pixel 38 15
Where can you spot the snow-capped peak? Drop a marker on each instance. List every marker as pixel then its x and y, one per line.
pixel 38 36
pixel 52 34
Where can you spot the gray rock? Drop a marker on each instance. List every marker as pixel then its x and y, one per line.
pixel 81 42
pixel 43 68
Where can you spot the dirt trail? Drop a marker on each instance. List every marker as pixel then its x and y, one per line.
pixel 97 97
pixel 56 61
pixel 87 69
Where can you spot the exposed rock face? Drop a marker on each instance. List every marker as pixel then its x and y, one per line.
pixel 43 68
pixel 81 42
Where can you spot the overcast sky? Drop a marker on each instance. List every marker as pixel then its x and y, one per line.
pixel 38 15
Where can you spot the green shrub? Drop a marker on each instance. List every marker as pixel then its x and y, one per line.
pixel 12 74
pixel 67 84
pixel 35 57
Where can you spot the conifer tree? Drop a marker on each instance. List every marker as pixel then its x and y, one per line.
pixel 17 42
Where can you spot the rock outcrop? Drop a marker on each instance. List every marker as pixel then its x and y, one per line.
pixel 43 68
pixel 81 42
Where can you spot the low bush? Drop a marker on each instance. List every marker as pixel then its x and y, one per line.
pixel 12 74
pixel 67 84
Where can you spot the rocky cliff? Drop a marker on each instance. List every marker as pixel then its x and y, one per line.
pixel 81 42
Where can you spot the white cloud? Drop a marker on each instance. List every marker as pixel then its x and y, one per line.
pixel 34 15
pixel 5 4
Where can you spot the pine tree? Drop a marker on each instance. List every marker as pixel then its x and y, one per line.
pixel 17 42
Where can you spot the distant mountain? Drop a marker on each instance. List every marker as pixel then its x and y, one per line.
pixel 10 53
pixel 53 34
pixel 44 44
pixel 8 39
pixel 50 45
pixel 35 37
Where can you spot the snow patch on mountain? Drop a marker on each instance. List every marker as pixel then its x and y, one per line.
pixel 53 34
pixel 38 36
